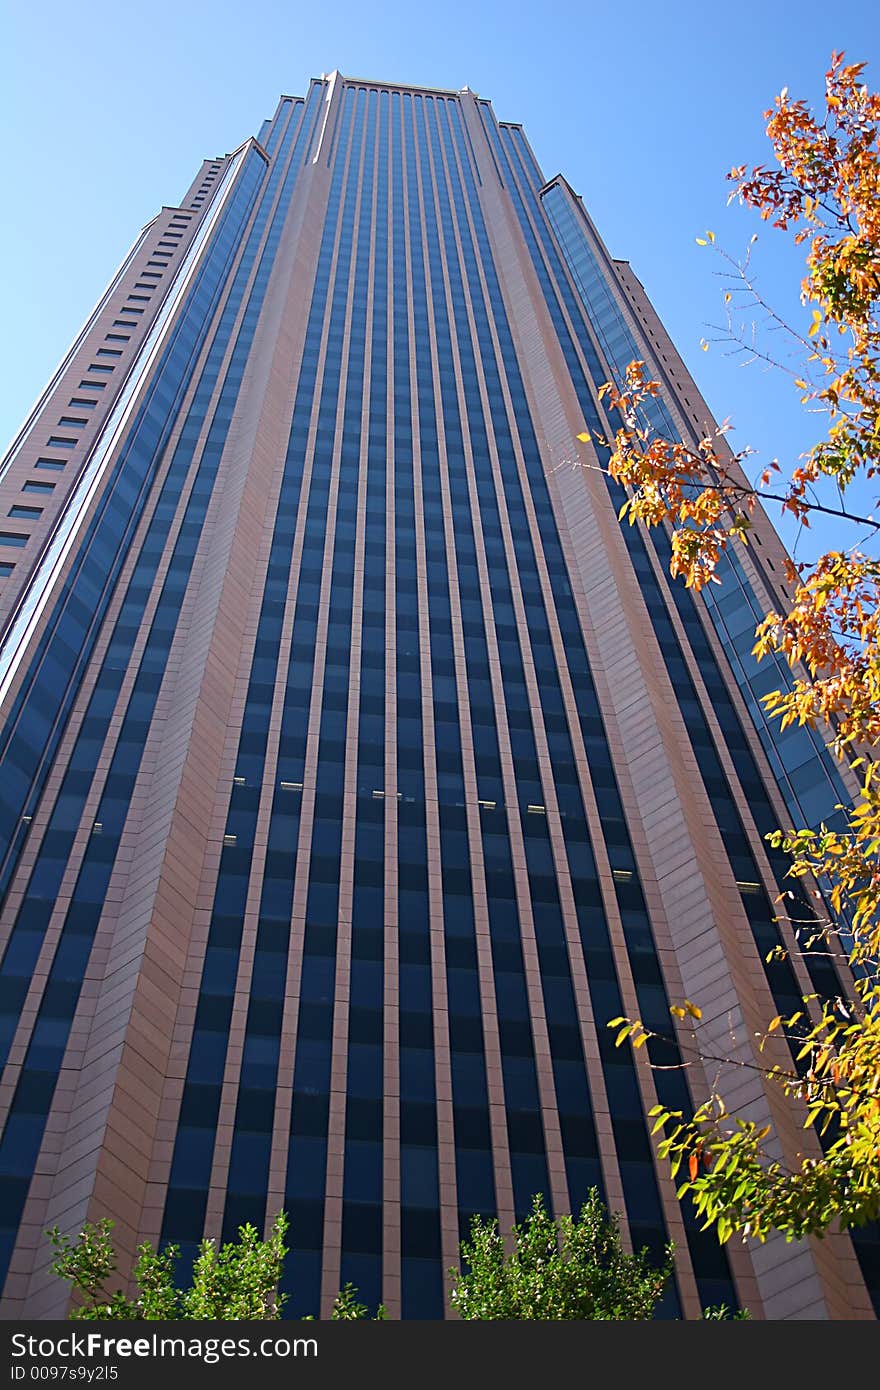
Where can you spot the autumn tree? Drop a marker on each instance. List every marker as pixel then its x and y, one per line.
pixel 824 188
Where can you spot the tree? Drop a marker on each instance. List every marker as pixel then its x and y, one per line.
pixel 826 189
pixel 348 1308
pixel 237 1281
pixel 573 1268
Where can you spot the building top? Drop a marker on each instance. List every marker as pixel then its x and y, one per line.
pixel 394 86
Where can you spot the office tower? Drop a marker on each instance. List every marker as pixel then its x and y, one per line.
pixel 357 766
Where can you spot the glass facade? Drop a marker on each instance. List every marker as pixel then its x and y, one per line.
pixel 321 839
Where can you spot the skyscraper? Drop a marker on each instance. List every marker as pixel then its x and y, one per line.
pixel 356 765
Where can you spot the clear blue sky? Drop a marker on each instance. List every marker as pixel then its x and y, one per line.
pixel 108 110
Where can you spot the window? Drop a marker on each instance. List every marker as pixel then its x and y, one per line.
pixel 102 366
pixel 91 386
pixel 144 297
pixel 141 285
pixel 83 404
pixel 25 513
pixel 33 486
pixel 73 420
pixel 6 569
pixel 108 352
pixel 124 323
pixel 61 441
pixel 54 465
pixel 130 308
pixel 13 538
pixel 114 338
